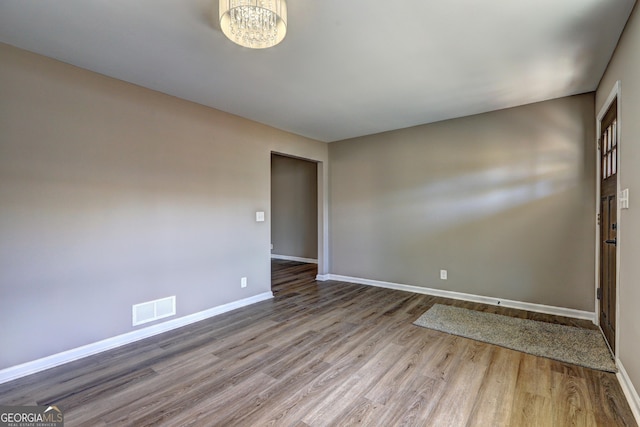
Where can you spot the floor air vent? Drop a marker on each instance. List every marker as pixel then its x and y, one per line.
pixel 153 310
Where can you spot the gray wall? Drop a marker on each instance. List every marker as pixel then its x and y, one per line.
pixel 294 207
pixel 504 201
pixel 625 67
pixel 112 195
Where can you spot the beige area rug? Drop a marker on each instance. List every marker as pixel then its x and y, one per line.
pixel 583 347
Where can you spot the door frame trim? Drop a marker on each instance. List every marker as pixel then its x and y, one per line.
pixel 614 94
pixel 322 178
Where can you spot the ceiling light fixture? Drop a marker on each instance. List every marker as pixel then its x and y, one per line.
pixel 257 24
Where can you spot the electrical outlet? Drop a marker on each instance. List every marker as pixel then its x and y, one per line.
pixel 243 282
pixel 443 274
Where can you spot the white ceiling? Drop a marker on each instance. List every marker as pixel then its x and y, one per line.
pixel 347 67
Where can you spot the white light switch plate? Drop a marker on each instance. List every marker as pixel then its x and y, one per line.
pixel 623 199
pixel 259 216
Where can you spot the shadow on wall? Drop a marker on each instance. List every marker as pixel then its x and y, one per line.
pixel 543 155
pixel 472 196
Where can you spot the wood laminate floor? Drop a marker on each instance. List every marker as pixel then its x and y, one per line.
pixel 325 353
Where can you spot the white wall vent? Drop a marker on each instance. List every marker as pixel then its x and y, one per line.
pixel 153 310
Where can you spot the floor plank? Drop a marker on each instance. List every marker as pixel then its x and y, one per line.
pixel 325 353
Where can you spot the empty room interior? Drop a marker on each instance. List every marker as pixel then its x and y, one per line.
pixel 246 212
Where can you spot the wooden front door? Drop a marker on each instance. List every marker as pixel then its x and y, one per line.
pixel 608 223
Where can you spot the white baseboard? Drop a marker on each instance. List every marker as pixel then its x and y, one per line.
pixel 28 368
pixel 629 390
pixel 322 277
pixel 538 308
pixel 294 258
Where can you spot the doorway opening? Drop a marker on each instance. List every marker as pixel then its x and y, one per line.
pixel 294 221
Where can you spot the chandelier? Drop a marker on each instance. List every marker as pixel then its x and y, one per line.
pixel 254 23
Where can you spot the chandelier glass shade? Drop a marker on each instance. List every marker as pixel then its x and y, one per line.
pixel 256 24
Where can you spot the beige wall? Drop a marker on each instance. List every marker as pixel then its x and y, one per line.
pixel 504 201
pixel 112 195
pixel 625 67
pixel 294 207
